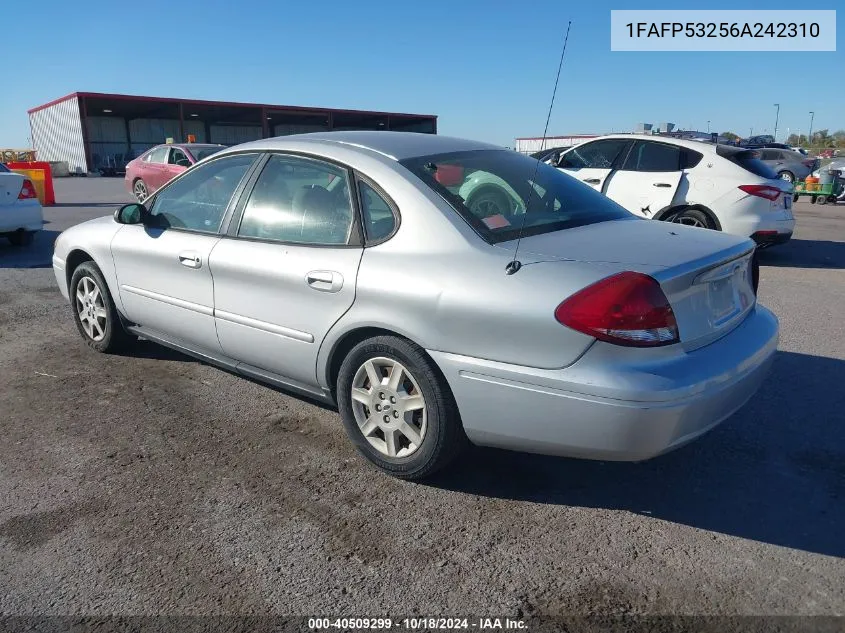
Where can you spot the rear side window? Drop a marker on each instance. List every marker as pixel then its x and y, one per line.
pixel 690 158
pixel 748 159
pixel 379 220
pixel 595 155
pixel 648 156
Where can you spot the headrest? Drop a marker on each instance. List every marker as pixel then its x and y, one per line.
pixel 449 175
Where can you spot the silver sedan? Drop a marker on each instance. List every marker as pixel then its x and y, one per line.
pixel 438 291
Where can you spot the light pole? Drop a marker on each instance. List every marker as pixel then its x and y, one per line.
pixel 810 134
pixel 777 115
pixel 708 127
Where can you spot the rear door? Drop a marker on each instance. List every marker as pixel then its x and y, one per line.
pixel 593 162
pixel 286 271
pixel 649 179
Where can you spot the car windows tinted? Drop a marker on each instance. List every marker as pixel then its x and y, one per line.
pixel 299 200
pixel 197 201
pixel 3 169
pixel 177 157
pixel 491 190
pixel 748 159
pixel 690 158
pixel 648 156
pixel 596 155
pixel 204 152
pixel 378 216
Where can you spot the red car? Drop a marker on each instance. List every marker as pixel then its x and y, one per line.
pixel 158 165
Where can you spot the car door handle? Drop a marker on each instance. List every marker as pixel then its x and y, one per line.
pixel 324 280
pixel 190 259
pixel 661 184
pixel 592 181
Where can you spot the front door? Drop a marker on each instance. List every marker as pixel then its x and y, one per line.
pixel 649 179
pixel 162 266
pixel 287 271
pixel 593 162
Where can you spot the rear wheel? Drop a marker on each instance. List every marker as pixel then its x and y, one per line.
pixel 21 238
pixel 821 199
pixel 94 311
pixel 139 188
pixel 397 408
pixel 788 176
pixel 694 217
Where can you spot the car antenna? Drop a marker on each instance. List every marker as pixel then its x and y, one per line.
pixel 514 265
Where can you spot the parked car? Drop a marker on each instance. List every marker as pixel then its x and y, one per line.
pixel 158 165
pixel 21 216
pixel 346 268
pixel 787 164
pixel 688 182
pixel 800 150
pixel 757 141
pixel 551 153
pixel 827 153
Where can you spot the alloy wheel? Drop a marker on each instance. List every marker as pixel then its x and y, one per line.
pixel 91 308
pixel 140 190
pixel 389 407
pixel 689 221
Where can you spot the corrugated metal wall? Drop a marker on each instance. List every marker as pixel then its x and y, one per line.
pixel 283 129
pixel 57 134
pixel 531 145
pixel 107 138
pixel 197 128
pixel 235 134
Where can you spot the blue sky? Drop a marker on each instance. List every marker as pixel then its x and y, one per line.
pixel 485 67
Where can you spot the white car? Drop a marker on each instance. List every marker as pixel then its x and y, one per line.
pixel 20 212
pixel 699 184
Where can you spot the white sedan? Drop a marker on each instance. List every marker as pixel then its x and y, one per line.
pixel 700 184
pixel 20 212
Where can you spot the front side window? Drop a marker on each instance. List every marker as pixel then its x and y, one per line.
pixel 378 216
pixel 157 155
pixel 198 200
pixel 595 155
pixel 299 200
pixel 648 156
pixel 497 191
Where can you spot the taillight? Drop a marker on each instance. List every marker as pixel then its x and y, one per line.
pixel 27 191
pixel 626 309
pixel 762 191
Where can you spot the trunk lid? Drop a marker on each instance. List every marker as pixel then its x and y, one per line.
pixel 706 275
pixel 10 187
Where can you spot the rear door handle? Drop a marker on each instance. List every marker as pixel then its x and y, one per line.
pixel 592 181
pixel 661 184
pixel 190 259
pixel 324 280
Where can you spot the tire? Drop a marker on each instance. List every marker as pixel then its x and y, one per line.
pixel 140 190
pixel 795 197
pixel 821 200
pixel 488 201
pixel 108 335
pixel 788 176
pixel 21 238
pixel 694 217
pixel 436 434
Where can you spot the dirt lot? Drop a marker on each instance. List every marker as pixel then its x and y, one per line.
pixel 153 484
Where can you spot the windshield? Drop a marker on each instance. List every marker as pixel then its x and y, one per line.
pixel 203 152
pixel 491 190
pixel 3 168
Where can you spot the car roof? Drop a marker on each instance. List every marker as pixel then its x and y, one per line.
pixel 395 145
pixel 696 145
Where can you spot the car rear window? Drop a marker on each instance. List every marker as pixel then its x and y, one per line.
pixel 3 168
pixel 499 191
pixel 748 159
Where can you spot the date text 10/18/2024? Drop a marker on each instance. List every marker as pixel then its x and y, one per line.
pixel 418 623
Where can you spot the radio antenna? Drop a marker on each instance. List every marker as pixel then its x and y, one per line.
pixel 514 265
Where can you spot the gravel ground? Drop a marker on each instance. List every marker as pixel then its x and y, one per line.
pixel 153 484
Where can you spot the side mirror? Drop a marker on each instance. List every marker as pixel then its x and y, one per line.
pixel 132 213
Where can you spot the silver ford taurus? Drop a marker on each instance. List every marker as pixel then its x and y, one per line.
pixel 379 271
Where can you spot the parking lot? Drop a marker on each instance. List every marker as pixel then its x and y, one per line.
pixel 149 483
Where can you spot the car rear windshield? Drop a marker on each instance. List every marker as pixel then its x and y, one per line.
pixel 748 159
pixel 3 168
pixel 204 152
pixel 491 190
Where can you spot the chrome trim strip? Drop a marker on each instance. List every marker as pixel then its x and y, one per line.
pixel 279 330
pixel 179 303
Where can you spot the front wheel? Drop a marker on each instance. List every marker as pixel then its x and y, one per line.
pixel 94 311
pixel 694 217
pixel 397 408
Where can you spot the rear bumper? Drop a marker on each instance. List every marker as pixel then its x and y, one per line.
pixel 613 404
pixel 771 238
pixel 26 215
